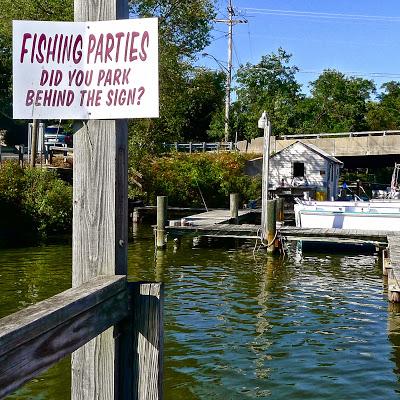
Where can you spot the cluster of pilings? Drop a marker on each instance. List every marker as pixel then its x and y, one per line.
pixel 272 215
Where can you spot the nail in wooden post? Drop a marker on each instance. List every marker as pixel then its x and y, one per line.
pixel 234 207
pixel 279 210
pixel 161 221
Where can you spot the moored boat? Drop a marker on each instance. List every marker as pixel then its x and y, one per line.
pixel 365 215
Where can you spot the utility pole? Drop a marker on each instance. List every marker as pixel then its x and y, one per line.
pixel 230 21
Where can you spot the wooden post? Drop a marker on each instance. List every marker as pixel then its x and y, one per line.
pixel 21 150
pixel 280 216
pixel 100 221
pixel 162 202
pixel 386 264
pixel 270 227
pixel 267 212
pixel 34 133
pixel 140 376
pixel 234 207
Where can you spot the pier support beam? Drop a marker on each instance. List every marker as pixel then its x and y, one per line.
pixel 269 227
pixel 234 207
pixel 280 216
pixel 162 202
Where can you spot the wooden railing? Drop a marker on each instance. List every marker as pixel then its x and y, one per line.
pixel 35 338
pixel 192 147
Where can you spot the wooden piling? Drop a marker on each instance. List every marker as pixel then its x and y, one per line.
pixel 140 375
pixel 269 227
pixel 280 216
pixel 100 220
pixel 162 203
pixel 265 178
pixel 234 207
pixel 34 138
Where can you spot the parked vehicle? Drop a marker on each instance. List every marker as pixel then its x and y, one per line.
pixel 54 135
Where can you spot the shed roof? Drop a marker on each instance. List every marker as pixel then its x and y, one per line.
pixel 315 149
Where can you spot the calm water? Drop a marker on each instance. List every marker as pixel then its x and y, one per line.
pixel 239 326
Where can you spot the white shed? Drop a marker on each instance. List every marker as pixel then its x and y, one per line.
pixel 302 165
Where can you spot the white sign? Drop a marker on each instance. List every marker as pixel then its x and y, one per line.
pixel 85 70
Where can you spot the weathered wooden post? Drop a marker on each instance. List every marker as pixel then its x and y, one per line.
pixel 21 150
pixel 270 227
pixel 234 207
pixel 118 360
pixel 268 216
pixel 162 204
pixel 280 216
pixel 100 220
pixel 34 138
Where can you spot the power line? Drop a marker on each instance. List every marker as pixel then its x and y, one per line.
pixel 310 14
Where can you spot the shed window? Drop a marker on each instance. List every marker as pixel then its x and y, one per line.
pixel 298 170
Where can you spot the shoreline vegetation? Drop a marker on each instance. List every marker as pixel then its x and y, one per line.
pixel 36 204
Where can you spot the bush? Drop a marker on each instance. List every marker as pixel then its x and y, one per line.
pixel 34 203
pixel 184 178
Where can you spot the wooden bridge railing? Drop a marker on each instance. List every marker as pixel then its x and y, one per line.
pixel 35 338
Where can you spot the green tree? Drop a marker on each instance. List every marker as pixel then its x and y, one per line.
pixel 53 10
pixel 205 99
pixel 338 103
pixel 184 30
pixel 269 85
pixel 384 114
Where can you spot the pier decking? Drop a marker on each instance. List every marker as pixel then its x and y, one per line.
pixel 218 223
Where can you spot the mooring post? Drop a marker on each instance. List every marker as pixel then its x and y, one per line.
pixel 100 222
pixel 162 204
pixel 280 216
pixel 234 207
pixel 270 227
pixel 386 264
pixel 141 344
pixel 268 213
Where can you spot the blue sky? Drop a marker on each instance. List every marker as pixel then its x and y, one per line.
pixel 359 37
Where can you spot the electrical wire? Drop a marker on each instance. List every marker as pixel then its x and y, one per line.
pixel 310 14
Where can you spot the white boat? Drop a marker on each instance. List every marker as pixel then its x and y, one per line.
pixel 375 216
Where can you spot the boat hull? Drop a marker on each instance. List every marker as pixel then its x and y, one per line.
pixel 376 216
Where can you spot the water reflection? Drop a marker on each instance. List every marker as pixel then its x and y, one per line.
pixel 309 326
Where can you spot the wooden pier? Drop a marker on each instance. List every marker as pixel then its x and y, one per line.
pixel 218 223
pixel 391 267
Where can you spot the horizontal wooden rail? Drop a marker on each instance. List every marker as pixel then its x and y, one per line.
pixel 192 147
pixel 33 339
